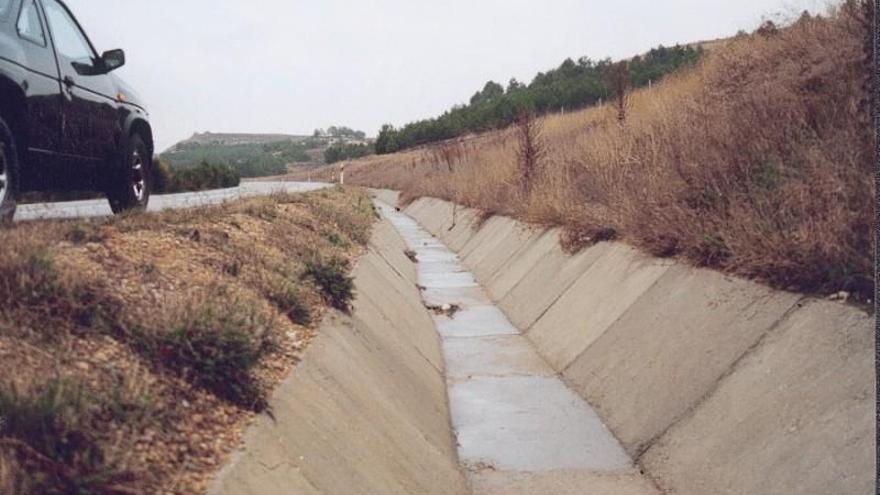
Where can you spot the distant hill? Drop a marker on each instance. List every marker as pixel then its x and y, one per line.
pixel 238 138
pixel 260 155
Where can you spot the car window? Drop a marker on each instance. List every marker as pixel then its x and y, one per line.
pixel 69 40
pixel 30 27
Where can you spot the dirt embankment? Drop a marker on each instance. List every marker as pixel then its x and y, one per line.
pixel 138 349
pixel 757 162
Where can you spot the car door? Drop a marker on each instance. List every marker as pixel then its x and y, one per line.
pixel 41 84
pixel 91 127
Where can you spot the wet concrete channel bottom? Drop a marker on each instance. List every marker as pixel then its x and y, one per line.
pixel 515 420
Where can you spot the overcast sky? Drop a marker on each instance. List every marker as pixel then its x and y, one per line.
pixel 291 66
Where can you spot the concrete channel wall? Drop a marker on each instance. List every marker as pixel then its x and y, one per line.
pixel 713 384
pixel 366 411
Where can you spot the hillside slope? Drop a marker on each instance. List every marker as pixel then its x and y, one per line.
pixel 757 162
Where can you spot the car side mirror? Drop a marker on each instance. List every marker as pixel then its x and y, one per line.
pixel 112 60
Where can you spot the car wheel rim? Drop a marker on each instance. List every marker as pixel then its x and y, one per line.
pixel 4 174
pixel 138 183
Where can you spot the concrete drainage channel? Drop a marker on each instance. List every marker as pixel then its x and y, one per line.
pixel 707 383
pixel 519 428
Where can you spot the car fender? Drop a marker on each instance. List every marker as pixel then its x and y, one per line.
pixel 137 122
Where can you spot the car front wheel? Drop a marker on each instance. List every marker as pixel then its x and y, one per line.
pixel 8 173
pixel 131 188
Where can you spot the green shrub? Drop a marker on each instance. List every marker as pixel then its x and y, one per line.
pixel 48 429
pixel 161 176
pixel 233 268
pixel 337 240
pixel 331 275
pixel 30 282
pixel 285 296
pixel 216 346
pixel 340 151
pixel 84 232
pixel 202 177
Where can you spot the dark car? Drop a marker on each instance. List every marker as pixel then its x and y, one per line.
pixel 66 122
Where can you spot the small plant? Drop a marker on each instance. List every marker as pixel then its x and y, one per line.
pixel 28 277
pixel 30 282
pixel 285 296
pixel 337 240
pixel 331 275
pixel 148 268
pixel 713 250
pixel 47 432
pixel 262 210
pixel 129 399
pixel 81 233
pixel 233 268
pixel 216 346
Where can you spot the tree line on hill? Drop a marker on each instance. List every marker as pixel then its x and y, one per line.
pixel 249 160
pixel 341 151
pixel 339 132
pixel 571 86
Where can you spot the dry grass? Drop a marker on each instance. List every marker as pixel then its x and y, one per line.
pixel 141 346
pixel 757 162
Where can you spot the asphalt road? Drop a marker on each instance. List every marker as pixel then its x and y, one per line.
pixel 101 208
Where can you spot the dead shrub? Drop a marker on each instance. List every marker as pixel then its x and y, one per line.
pixel 530 151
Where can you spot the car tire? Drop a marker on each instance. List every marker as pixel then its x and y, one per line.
pixel 130 189
pixel 8 173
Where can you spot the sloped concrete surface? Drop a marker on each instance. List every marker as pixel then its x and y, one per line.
pixel 521 263
pixel 641 373
pixel 795 416
pixel 366 412
pixel 545 283
pixel 489 258
pixel 595 301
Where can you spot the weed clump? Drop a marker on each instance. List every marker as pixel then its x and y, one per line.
pixel 32 287
pixel 46 433
pixel 286 297
pixel 83 232
pixel 337 240
pixel 332 278
pixel 216 346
